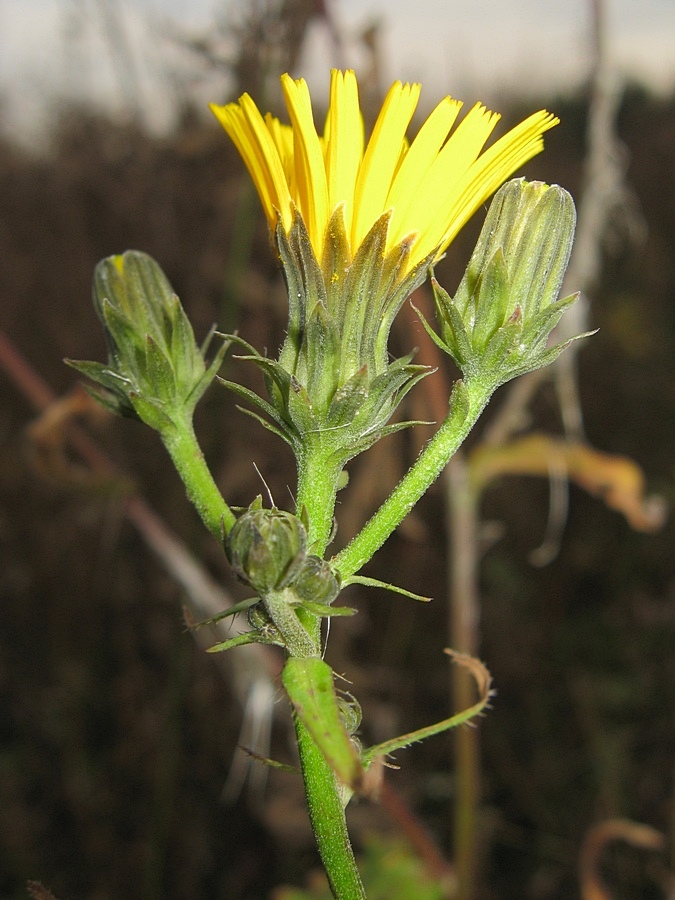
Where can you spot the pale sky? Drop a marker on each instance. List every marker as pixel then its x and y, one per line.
pixel 472 49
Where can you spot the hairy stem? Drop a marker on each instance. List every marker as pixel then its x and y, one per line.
pixel 327 816
pixel 318 478
pixel 202 490
pixel 417 480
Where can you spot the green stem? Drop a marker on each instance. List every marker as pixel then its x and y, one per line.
pixel 187 456
pixel 317 489
pixel 327 815
pixel 301 635
pixel 318 478
pixel 417 480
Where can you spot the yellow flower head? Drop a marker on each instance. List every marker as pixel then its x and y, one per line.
pixel 430 186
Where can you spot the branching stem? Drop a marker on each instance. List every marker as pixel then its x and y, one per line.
pixel 419 478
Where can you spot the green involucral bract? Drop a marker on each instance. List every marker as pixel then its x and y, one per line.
pixel 334 388
pixel 267 548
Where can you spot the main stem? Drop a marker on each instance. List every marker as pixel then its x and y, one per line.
pixel 316 492
pixel 317 488
pixel 327 815
pixel 416 482
pixel 318 477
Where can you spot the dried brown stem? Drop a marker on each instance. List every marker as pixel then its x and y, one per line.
pixel 204 592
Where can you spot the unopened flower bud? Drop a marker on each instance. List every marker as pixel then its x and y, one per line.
pixel 350 710
pixel 267 548
pixel 497 324
pixel 155 369
pixel 316 581
pixel 263 626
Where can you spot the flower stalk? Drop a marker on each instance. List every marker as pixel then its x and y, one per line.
pixel 187 456
pixel 466 404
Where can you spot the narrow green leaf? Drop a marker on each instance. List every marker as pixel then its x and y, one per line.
pixel 433 335
pixel 392 292
pixel 102 374
pixel 151 413
pixel 373 434
pixel 230 611
pixel 374 582
pixel 208 376
pixel 247 394
pixel 115 403
pixel 542 324
pixel 234 339
pixel 297 301
pixel 186 358
pixel 125 343
pixel 492 299
pixel 303 252
pixel 547 356
pixel 287 436
pixel 250 637
pixel 391 386
pixel 320 355
pixel 272 763
pixel 336 257
pixel 309 684
pixel 326 612
pixel 505 341
pixel 360 320
pixel 460 400
pixel 348 399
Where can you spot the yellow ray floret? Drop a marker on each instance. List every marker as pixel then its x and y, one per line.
pixel 431 185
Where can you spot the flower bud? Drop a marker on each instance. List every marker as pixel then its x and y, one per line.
pixel 316 582
pixel 267 548
pixel 264 628
pixel 350 710
pixel 497 324
pixel 155 369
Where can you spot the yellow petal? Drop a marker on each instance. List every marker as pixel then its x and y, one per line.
pixel 382 157
pixel 493 168
pixel 248 132
pixel 343 139
pixel 433 199
pixel 310 172
pixel 431 186
pixel 416 164
pixel 282 135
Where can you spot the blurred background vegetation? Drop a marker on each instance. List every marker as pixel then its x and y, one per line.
pixel 117 732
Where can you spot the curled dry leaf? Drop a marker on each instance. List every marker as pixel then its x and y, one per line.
pixel 598 837
pixel 478 670
pixel 616 480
